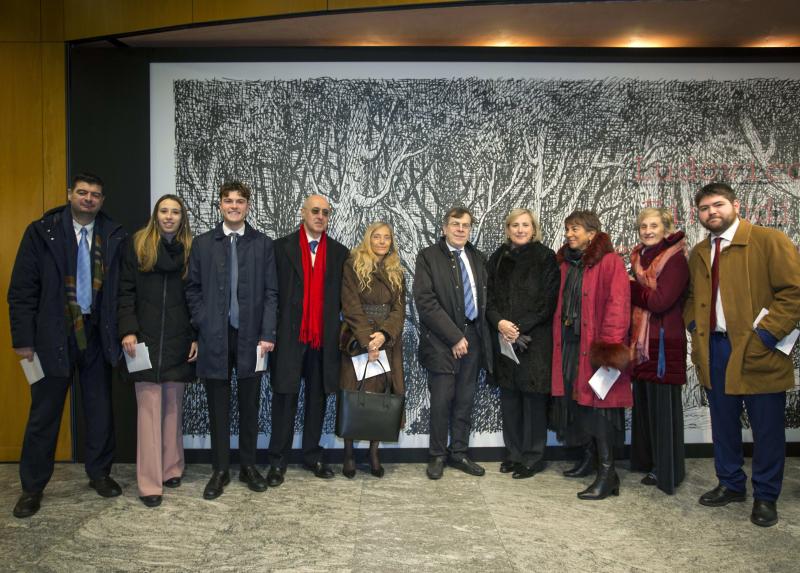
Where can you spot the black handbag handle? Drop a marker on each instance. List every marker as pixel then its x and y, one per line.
pixel 386 385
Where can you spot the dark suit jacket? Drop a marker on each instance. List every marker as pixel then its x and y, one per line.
pixel 286 363
pixel 208 295
pixel 37 296
pixel 438 295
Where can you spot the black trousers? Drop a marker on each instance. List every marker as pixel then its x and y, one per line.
pixel 451 402
pixel 47 405
pixel 524 425
pixel 284 410
pixel 218 393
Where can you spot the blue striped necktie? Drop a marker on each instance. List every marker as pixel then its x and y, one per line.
pixel 469 298
pixel 83 286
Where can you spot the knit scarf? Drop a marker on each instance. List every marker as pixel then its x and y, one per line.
pixel 73 309
pixel 648 278
pixel 313 290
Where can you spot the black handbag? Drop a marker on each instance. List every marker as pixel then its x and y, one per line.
pixel 362 415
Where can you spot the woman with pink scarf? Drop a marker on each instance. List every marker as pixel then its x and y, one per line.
pixel 658 349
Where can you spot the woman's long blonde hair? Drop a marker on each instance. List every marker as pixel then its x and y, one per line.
pixel 146 239
pixel 365 262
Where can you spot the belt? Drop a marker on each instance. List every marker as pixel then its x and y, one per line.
pixel 468 322
pixel 720 334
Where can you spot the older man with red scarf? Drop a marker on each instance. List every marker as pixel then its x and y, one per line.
pixel 310 266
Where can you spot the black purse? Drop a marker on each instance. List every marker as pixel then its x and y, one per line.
pixel 362 415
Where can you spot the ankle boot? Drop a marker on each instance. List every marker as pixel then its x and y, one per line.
pixel 585 465
pixel 607 482
pixel 349 465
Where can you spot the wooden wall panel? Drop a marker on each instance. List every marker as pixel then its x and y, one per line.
pixel 211 10
pixel 19 21
pixel 352 4
pixel 92 18
pixel 52 24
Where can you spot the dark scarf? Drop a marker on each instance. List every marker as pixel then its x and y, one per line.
pixel 313 290
pixel 170 257
pixel 571 295
pixel 73 309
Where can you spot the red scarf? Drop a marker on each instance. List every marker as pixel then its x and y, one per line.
pixel 313 290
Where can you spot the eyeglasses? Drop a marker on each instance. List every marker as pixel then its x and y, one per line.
pixel 317 211
pixel 459 225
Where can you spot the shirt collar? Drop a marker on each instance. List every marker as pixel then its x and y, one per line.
pixel 228 231
pixel 729 232
pixel 309 238
pixel 77 226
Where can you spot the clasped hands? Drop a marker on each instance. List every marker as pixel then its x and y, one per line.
pixel 377 339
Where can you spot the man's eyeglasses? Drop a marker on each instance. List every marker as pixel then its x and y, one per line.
pixel 459 225
pixel 317 211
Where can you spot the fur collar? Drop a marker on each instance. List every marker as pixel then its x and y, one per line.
pixel 597 249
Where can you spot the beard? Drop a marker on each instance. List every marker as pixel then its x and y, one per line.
pixel 720 224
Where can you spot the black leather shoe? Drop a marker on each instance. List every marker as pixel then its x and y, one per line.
pixel 467 466
pixel 720 496
pixel 27 504
pixel 435 468
pixel 253 479
pixel 216 485
pixel 173 482
pixel 378 472
pixel 649 479
pixel 525 471
pixel 349 468
pixel 151 500
pixel 274 476
pixel 508 466
pixel 765 513
pixel 105 486
pixel 320 470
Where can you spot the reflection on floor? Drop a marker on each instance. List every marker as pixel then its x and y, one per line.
pixel 403 522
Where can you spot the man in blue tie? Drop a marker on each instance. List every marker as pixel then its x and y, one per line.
pixel 232 292
pixel 62 303
pixel 454 344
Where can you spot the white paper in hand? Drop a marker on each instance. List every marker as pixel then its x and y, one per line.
pixel 786 343
pixel 373 369
pixel 261 361
pixel 33 370
pixel 602 381
pixel 142 360
pixel 506 349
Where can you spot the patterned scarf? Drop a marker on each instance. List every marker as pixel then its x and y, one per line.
pixel 313 290
pixel 640 318
pixel 73 309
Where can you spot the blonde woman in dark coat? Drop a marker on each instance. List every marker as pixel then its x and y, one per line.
pixel 373 308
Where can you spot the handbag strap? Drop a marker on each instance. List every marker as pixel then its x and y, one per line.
pixel 386 384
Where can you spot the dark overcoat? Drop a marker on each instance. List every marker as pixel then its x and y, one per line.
pixel 665 303
pixel 287 359
pixel 523 288
pixel 208 296
pixel 152 305
pixel 37 298
pixel 439 298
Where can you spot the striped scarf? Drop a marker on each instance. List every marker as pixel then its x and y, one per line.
pixel 73 309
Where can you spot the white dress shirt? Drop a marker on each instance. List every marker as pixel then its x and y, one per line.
pixel 465 258
pixel 727 238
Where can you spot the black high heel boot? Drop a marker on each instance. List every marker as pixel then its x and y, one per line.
pixel 375 467
pixel 585 465
pixel 607 481
pixel 349 465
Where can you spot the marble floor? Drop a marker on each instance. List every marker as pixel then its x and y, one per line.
pixel 403 522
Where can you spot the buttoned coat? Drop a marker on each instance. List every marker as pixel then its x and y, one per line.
pixel 439 298
pixel 759 269
pixel 208 294
pixel 605 321
pixel 286 363
pixel 37 298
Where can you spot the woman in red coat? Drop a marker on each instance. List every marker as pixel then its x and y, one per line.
pixel 590 330
pixel 658 344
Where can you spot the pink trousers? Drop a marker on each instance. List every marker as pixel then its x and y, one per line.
pixel 159 448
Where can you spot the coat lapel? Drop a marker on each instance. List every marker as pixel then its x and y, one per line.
pixel 293 252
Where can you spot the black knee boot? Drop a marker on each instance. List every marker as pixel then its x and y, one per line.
pixel 607 482
pixel 585 465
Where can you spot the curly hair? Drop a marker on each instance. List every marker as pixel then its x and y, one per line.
pixel 365 262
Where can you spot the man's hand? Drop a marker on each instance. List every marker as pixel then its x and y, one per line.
pixel 460 348
pixel 265 347
pixel 25 352
pixel 129 343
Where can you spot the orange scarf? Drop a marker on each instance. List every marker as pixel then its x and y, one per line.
pixel 313 290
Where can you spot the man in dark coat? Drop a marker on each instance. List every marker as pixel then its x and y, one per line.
pixel 232 292
pixel 450 294
pixel 62 303
pixel 310 266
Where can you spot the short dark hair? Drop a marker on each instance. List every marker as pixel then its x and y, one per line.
pixel 86 177
pixel 457 212
pixel 716 188
pixel 586 219
pixel 230 186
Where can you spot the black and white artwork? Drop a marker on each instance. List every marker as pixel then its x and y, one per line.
pixel 403 142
